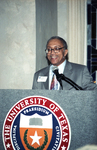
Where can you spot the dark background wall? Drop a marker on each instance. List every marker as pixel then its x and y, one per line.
pixel 92 38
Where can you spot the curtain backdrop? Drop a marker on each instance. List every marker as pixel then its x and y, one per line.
pixel 77 31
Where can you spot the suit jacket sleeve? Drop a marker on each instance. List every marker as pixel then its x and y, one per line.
pixel 87 81
pixel 35 86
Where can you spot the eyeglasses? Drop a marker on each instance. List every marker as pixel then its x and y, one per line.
pixel 56 50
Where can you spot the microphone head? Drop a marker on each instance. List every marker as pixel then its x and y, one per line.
pixel 56 72
pixel 54 68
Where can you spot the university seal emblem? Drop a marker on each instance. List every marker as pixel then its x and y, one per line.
pixel 36 123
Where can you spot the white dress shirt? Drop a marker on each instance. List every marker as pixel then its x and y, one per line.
pixel 61 68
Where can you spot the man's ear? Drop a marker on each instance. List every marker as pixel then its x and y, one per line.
pixel 65 52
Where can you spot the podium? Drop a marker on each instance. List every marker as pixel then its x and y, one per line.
pixel 79 106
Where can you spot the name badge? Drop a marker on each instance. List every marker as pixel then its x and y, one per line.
pixel 42 79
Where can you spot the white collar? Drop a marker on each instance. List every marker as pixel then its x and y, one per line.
pixel 61 70
pixel 61 67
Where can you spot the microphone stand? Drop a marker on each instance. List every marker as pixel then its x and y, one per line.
pixel 77 87
pixel 61 77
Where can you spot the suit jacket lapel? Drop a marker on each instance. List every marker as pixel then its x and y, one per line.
pixel 68 73
pixel 46 84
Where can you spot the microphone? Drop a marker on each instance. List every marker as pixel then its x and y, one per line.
pixel 58 76
pixel 61 77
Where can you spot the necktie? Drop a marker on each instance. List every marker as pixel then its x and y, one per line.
pixel 54 83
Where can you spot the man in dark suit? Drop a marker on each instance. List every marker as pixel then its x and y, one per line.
pixel 56 52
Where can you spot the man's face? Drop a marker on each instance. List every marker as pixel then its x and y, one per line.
pixel 56 58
